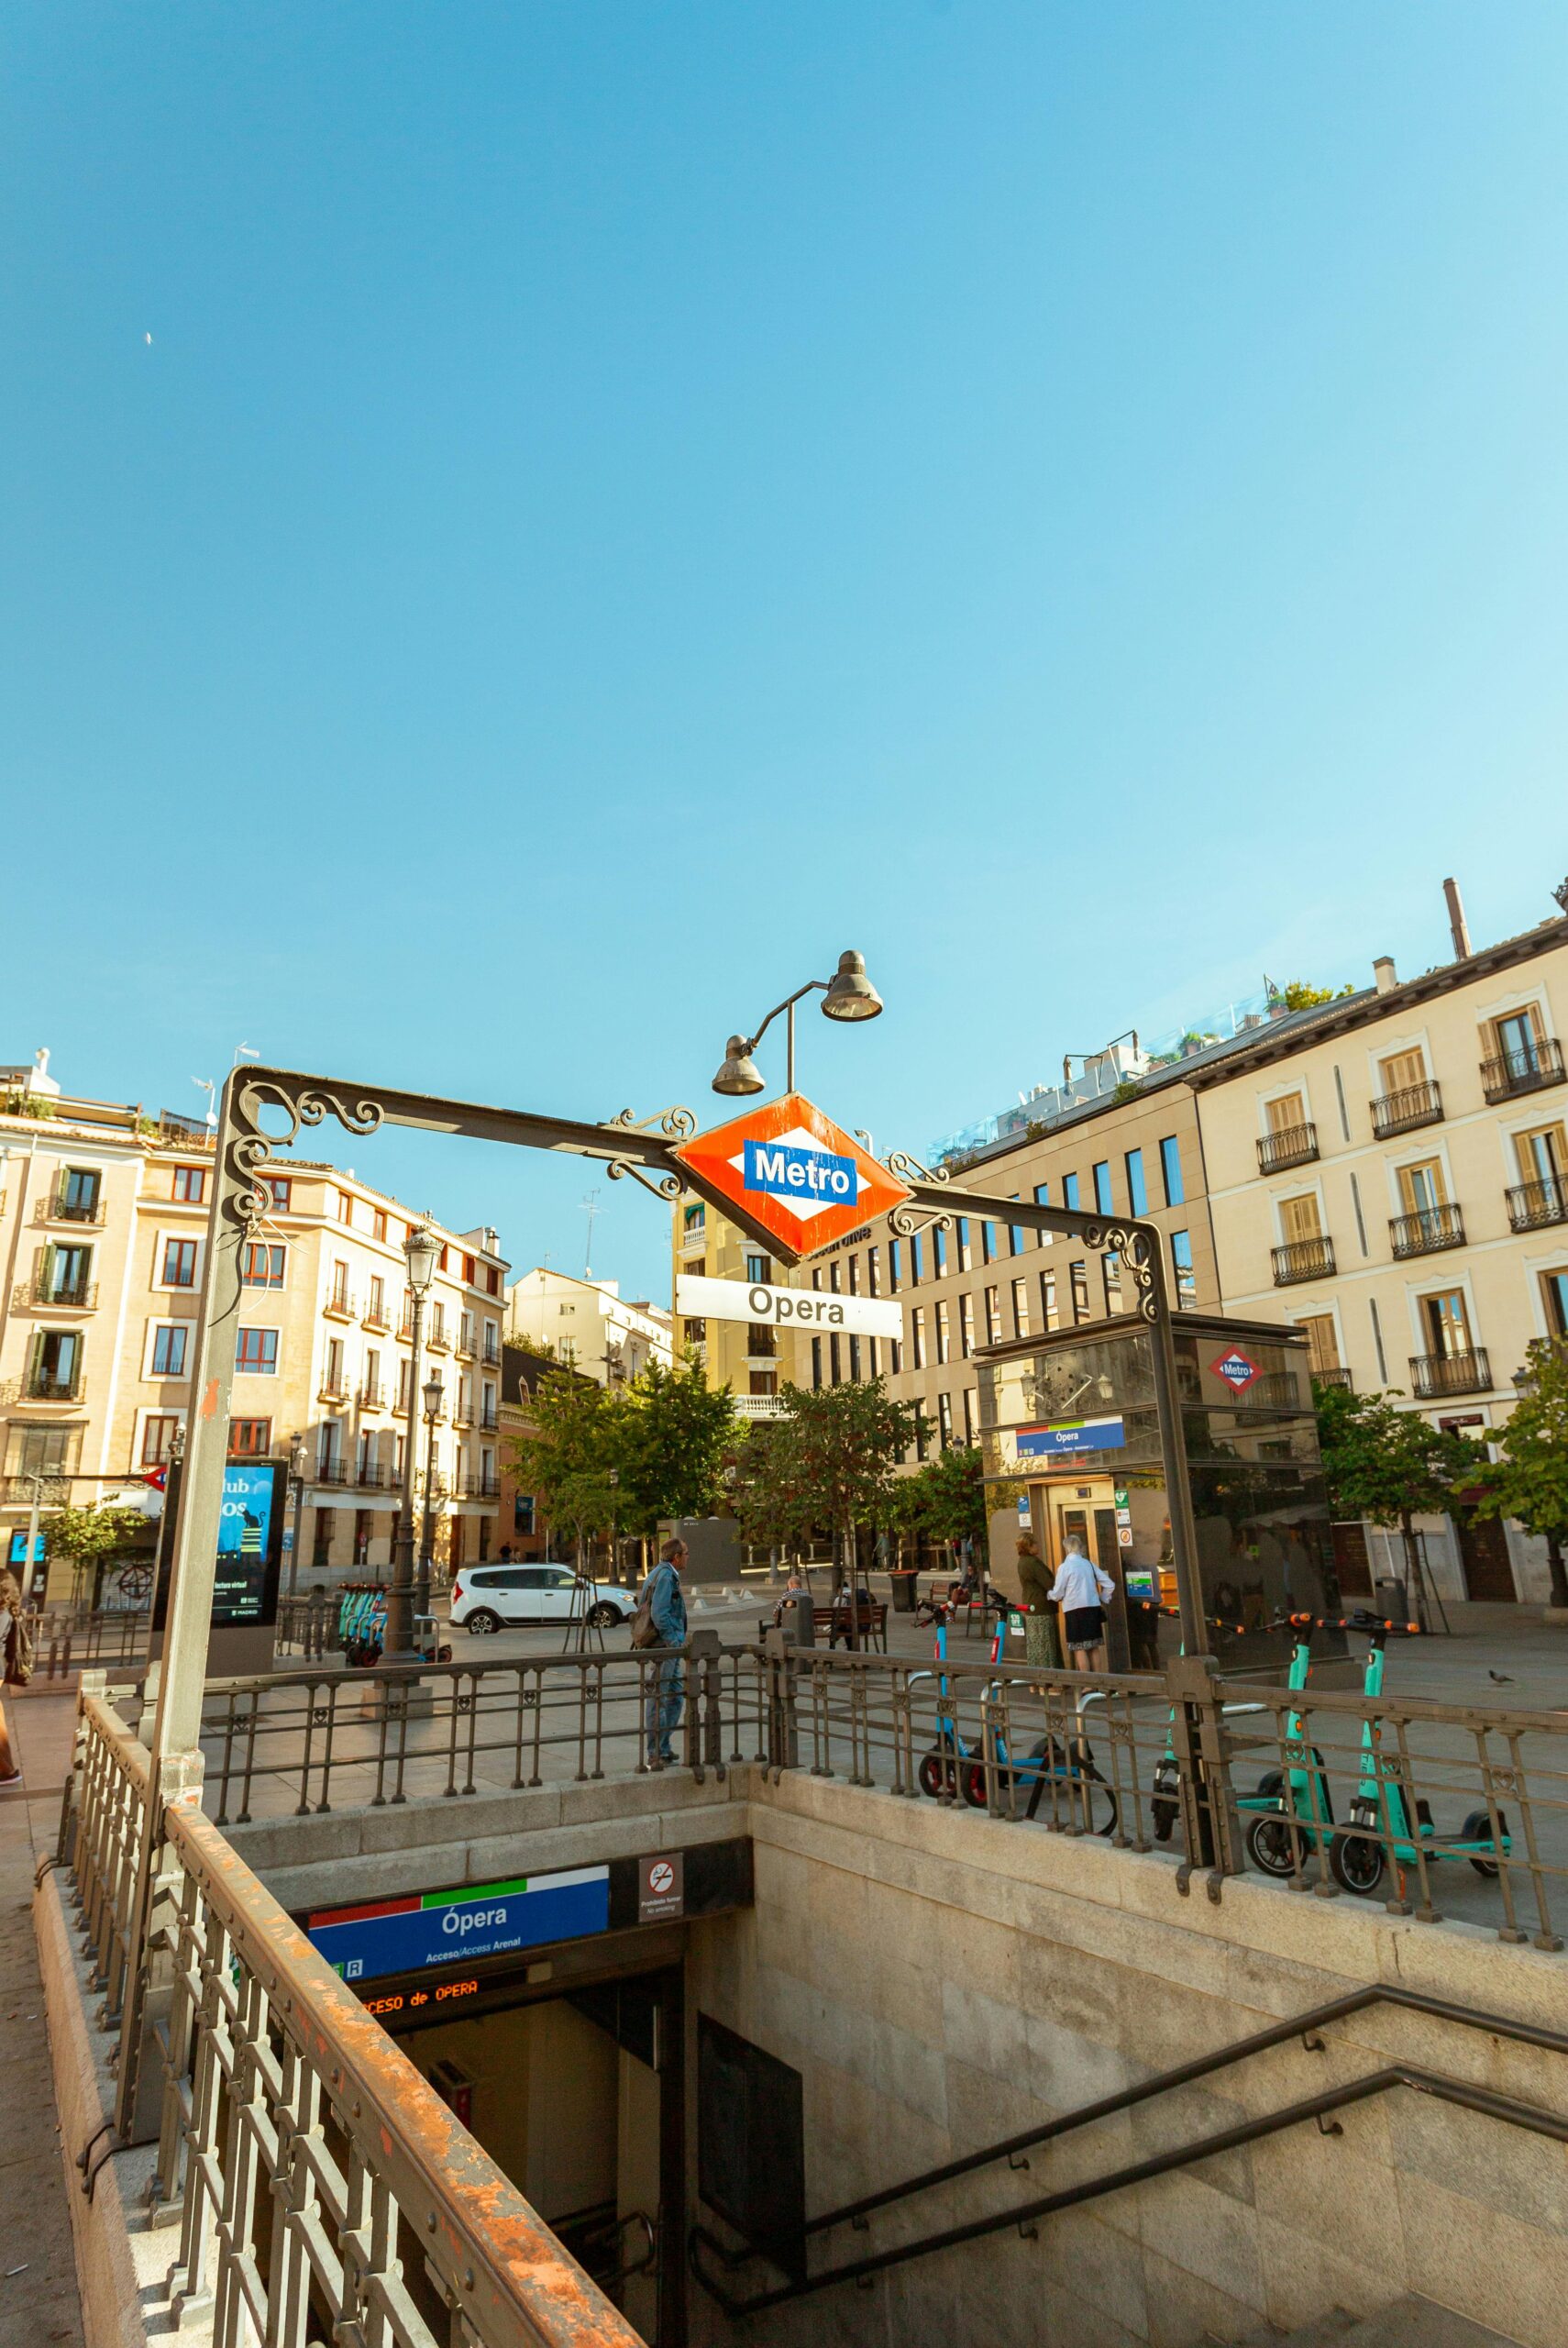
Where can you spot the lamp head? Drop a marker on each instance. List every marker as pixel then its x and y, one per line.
pixel 434 1390
pixel 739 1074
pixel 850 993
pixel 422 1251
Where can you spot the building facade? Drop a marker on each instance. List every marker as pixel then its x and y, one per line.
pixel 754 1360
pixel 588 1325
pixel 1392 1177
pixel 104 1222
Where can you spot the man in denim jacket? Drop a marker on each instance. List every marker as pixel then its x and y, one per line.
pixel 667 1604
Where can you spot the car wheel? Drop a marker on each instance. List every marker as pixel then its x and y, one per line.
pixel 481 1623
pixel 605 1616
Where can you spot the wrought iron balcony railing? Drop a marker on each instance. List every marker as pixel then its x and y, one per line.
pixel 1529 1070
pixel 340 1305
pixel 1533 1205
pixel 331 1471
pixel 437 1341
pixel 41 1387
pixel 1303 1259
pixel 463 1345
pixel 378 1318
pixel 53 1208
pixel 1401 1112
pixel 1423 1232
pixel 373 1397
pixel 41 1295
pixel 1292 1145
pixel 334 1388
pixel 477 1487
pixel 373 1476
pixel 1440 1374
pixel 492 1354
pixel 489 1420
pixel 1338 1376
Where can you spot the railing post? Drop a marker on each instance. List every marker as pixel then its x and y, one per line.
pixel 150 1961
pixel 783 1725
pixel 1209 1823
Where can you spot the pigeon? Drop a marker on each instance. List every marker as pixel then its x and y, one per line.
pixel 1503 1679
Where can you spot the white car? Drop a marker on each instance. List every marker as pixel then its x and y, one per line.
pixel 497 1598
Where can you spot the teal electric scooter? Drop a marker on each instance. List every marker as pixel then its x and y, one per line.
pixel 1380 1827
pixel 1272 1842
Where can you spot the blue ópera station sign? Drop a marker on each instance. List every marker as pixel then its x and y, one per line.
pixel 455 1927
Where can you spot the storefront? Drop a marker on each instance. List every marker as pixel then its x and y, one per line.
pixel 1068 1429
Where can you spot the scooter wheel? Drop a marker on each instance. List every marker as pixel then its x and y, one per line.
pixel 1275 1848
pixel 1477 1828
pixel 1357 1863
pixel 972 1783
pixel 1164 1815
pixel 938 1776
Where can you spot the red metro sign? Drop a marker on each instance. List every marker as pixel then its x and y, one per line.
pixel 792 1173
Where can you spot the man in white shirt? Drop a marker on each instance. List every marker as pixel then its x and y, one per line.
pixel 1083 1590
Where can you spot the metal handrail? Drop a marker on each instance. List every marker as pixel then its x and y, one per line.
pixel 1178 2075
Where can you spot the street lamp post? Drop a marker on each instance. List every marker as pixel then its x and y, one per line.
pixel 848 994
pixel 297 1463
pixel 433 1392
pixel 422 1251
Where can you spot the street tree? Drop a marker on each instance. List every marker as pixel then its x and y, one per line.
pixel 567 1459
pixel 950 1494
pixel 1391 1466
pixel 91 1536
pixel 1530 1482
pixel 671 1439
pixel 828 1462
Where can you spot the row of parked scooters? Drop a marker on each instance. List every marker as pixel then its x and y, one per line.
pixel 1290 1815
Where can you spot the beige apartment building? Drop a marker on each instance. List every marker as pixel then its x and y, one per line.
pixel 752 1359
pixel 1391 1173
pixel 588 1324
pixel 103 1222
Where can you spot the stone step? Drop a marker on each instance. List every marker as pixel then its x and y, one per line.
pixel 1405 2323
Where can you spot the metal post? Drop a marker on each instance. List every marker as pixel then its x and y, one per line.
pixel 399 1647
pixel 30 1553
pixel 297 1478
pixel 428 1520
pixel 789 1050
pixel 1173 1445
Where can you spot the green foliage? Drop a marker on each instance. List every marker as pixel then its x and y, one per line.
pixel 1530 1482
pixel 1300 994
pixel 87 1534
pixel 948 1495
pixel 566 1461
pixel 1389 1465
pixel 672 1433
pixel 829 1462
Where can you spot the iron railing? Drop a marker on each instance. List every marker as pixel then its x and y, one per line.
pixel 308 2164
pixel 1303 1259
pixel 1337 1376
pixel 437 1341
pixel 73 1638
pixel 54 1208
pixel 1533 1205
pixel 1291 1145
pixel 1433 1375
pixel 492 1353
pixel 1411 1105
pixel 41 1387
pixel 330 1471
pixel 340 1305
pixel 376 1316
pixel 373 1397
pixel 1423 1232
pixel 1529 1070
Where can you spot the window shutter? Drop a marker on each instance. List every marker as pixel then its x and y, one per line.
pixel 43 1269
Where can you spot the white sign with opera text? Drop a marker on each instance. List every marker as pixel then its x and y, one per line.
pixel 803 1308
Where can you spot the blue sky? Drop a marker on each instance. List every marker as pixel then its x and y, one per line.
pixel 621 501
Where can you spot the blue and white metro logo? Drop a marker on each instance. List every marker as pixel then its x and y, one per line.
pixel 798 1171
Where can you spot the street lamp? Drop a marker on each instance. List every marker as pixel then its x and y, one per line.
pixel 848 994
pixel 297 1464
pixel 433 1392
pixel 422 1252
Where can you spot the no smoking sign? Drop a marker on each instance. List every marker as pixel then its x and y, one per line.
pixel 661 1887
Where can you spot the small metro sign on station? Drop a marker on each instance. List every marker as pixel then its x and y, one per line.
pixel 794 1174
pixel 1236 1368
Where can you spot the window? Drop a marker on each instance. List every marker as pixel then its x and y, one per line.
pixel 1170 1171
pixel 945 1419
pixel 923 1430
pixel 523 1513
pixel 281 1189
pixel 169 1343
pixel 835 1373
pixel 1070 1192
pixel 987 1242
pixel 56 1368
pixel 1017 1238
pixel 260 1266
pixel 693 1219
pixel 967 1324
pixel 816 1361
pixel 993 1316
pixel 965 1254
pixel 1078 1274
pixel 338 1295
pixel 249 1438
pixel 1542 1155
pixel 855 1359
pixel 763 1381
pixel 1447 1320
pixel 1137 1189
pixel 1020 1307
pixel 344 1208
pixel 1111 1274
pixel 1049 1317
pixel 191 1184
pixel 873 1271
pixel 68 1275
pixel 1102 1188
pixel 1422 1191
pixel 944 1334
pixel 917 1336
pixel 439 1323
pixel 179 1263
pixel 855 1276
pixel 836 1276
pixel 378 1223
pixel 1181 1264
pixel 1043 1199
pixel 255 1353
pixel 758 1270
pixel 968 1414
pixel 894 1270
pixel 916 1261
pixel 1322 1342
pixel 696 1333
pixel 492 1280
pixel 469 1267
pixel 1554 1295
pixel 1287 1114
pixel 377 1311
pixel 158 1434
pixel 404 1372
pixel 895 1357
pixel 78 1201
pixel 1299 1220
pixel 939 1255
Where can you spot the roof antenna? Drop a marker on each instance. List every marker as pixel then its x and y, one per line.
pixel 1457 930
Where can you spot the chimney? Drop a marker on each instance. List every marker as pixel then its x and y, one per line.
pixel 1385 977
pixel 1457 930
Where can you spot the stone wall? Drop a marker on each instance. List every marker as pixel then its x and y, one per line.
pixel 941 1980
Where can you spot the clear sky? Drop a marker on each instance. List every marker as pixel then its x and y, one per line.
pixel 621 501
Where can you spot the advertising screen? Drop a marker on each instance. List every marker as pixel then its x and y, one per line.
pixel 251 1543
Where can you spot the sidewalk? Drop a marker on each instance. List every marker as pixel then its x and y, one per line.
pixel 39 2302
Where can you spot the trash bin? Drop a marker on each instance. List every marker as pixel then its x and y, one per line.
pixel 902 1587
pixel 1392 1602
pixel 799 1621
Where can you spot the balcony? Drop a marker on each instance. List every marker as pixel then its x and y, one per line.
pixel 1292 1145
pixel 759 1406
pixel 492 1354
pixel 378 1318
pixel 1433 1376
pixel 1402 1112
pixel 694 1236
pixel 405 1330
pixel 462 1413
pixel 1533 1205
pixel 489 1421
pixel 482 1488
pixel 438 1340
pixel 340 1306
pixel 1304 1260
pixel 373 1398
pixel 1278 1390
pixel 1424 1233
pixel 464 1346
pixel 373 1477
pixel 1529 1070
pixel 53 1490
pixel 37 1295
pixel 334 1388
pixel 42 1388
pixel 331 1471
pixel 1339 1376
pixel 54 1209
